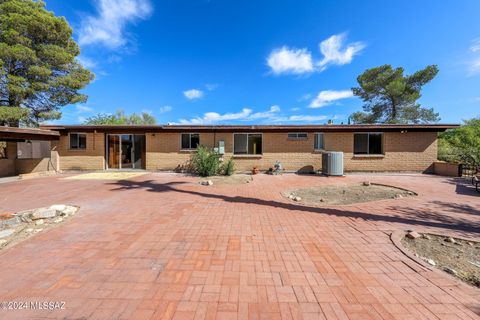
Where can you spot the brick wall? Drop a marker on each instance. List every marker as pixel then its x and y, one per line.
pixel 411 151
pixel 92 158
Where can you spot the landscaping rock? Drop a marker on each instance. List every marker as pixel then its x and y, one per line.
pixel 29 230
pixel 426 236
pixel 6 233
pixel 431 262
pixel 450 240
pixel 44 213
pixel 12 222
pixel 38 230
pixel 2 242
pixel 451 271
pixel 69 211
pixel 58 220
pixel 413 235
pixel 39 222
pixel 297 199
pixel 58 207
pixel 366 183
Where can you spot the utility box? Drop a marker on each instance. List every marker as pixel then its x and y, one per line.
pixel 332 163
pixel 221 147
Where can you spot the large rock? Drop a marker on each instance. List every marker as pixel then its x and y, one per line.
pixel 413 235
pixel 12 222
pixel 69 211
pixel 6 233
pixel 58 207
pixel 44 213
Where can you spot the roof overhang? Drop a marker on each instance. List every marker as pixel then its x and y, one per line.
pixel 22 134
pixel 253 128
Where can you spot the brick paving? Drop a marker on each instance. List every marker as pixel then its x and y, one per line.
pixel 161 246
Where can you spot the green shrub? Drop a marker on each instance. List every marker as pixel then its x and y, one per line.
pixel 229 167
pixel 205 162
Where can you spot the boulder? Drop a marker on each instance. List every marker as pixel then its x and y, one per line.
pixel 413 235
pixel 58 220
pixel 6 233
pixel 39 222
pixel 69 211
pixel 450 239
pixel 297 198
pixel 12 222
pixel 44 213
pixel 450 270
pixel 3 241
pixel 431 262
pixel 58 207
pixel 366 183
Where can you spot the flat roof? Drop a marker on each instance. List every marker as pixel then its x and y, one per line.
pixel 21 134
pixel 262 128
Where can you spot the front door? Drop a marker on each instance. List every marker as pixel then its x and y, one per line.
pixel 125 151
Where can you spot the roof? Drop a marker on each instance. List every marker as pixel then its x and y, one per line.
pixel 21 134
pixel 251 128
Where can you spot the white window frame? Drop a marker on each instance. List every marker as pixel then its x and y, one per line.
pixel 368 144
pixel 323 141
pixel 296 137
pixel 247 154
pixel 70 141
pixel 189 140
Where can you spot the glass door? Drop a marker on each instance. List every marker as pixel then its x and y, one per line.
pixel 113 150
pixel 125 151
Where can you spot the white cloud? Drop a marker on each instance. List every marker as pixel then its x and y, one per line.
pixel 211 86
pixel 245 115
pixel 290 61
pixel 83 109
pixel 295 109
pixel 307 118
pixel 475 47
pixel 108 26
pixel 474 63
pixel 299 61
pixel 329 96
pixel 86 62
pixel 165 109
pixel 193 94
pixel 81 119
pixel 334 53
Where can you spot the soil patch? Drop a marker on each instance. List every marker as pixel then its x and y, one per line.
pixel 234 179
pixel 460 258
pixel 343 194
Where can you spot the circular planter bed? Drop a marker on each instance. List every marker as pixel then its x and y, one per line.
pixel 457 257
pixel 345 194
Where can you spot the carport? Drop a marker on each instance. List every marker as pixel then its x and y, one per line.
pixel 27 150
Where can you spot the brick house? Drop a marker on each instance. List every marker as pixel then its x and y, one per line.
pixel 298 147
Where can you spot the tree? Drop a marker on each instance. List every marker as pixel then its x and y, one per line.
pixel 39 72
pixel 391 97
pixel 121 118
pixel 462 144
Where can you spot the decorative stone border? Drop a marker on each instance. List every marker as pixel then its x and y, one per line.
pixel 396 238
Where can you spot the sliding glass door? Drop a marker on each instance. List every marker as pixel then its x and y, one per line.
pixel 125 151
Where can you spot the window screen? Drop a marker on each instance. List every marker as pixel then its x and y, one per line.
pixel 318 141
pixel 297 135
pixel 247 143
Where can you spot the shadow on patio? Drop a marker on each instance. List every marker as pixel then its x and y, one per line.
pixel 408 216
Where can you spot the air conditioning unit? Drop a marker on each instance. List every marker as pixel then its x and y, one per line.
pixel 332 163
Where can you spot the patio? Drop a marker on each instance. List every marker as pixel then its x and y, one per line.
pixel 161 246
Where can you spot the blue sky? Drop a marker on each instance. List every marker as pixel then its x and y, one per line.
pixel 278 62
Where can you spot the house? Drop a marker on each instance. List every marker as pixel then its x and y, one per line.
pixel 385 147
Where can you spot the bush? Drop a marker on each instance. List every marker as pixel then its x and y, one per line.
pixel 205 162
pixel 229 167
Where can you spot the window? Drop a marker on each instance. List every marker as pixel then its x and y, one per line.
pixel 297 136
pixel 318 142
pixel 3 150
pixel 247 143
pixel 368 143
pixel 190 141
pixel 78 141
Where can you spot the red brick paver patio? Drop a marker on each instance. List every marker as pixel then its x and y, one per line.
pixel 161 246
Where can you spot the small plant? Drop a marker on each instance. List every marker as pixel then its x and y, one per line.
pixel 205 162
pixel 229 167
